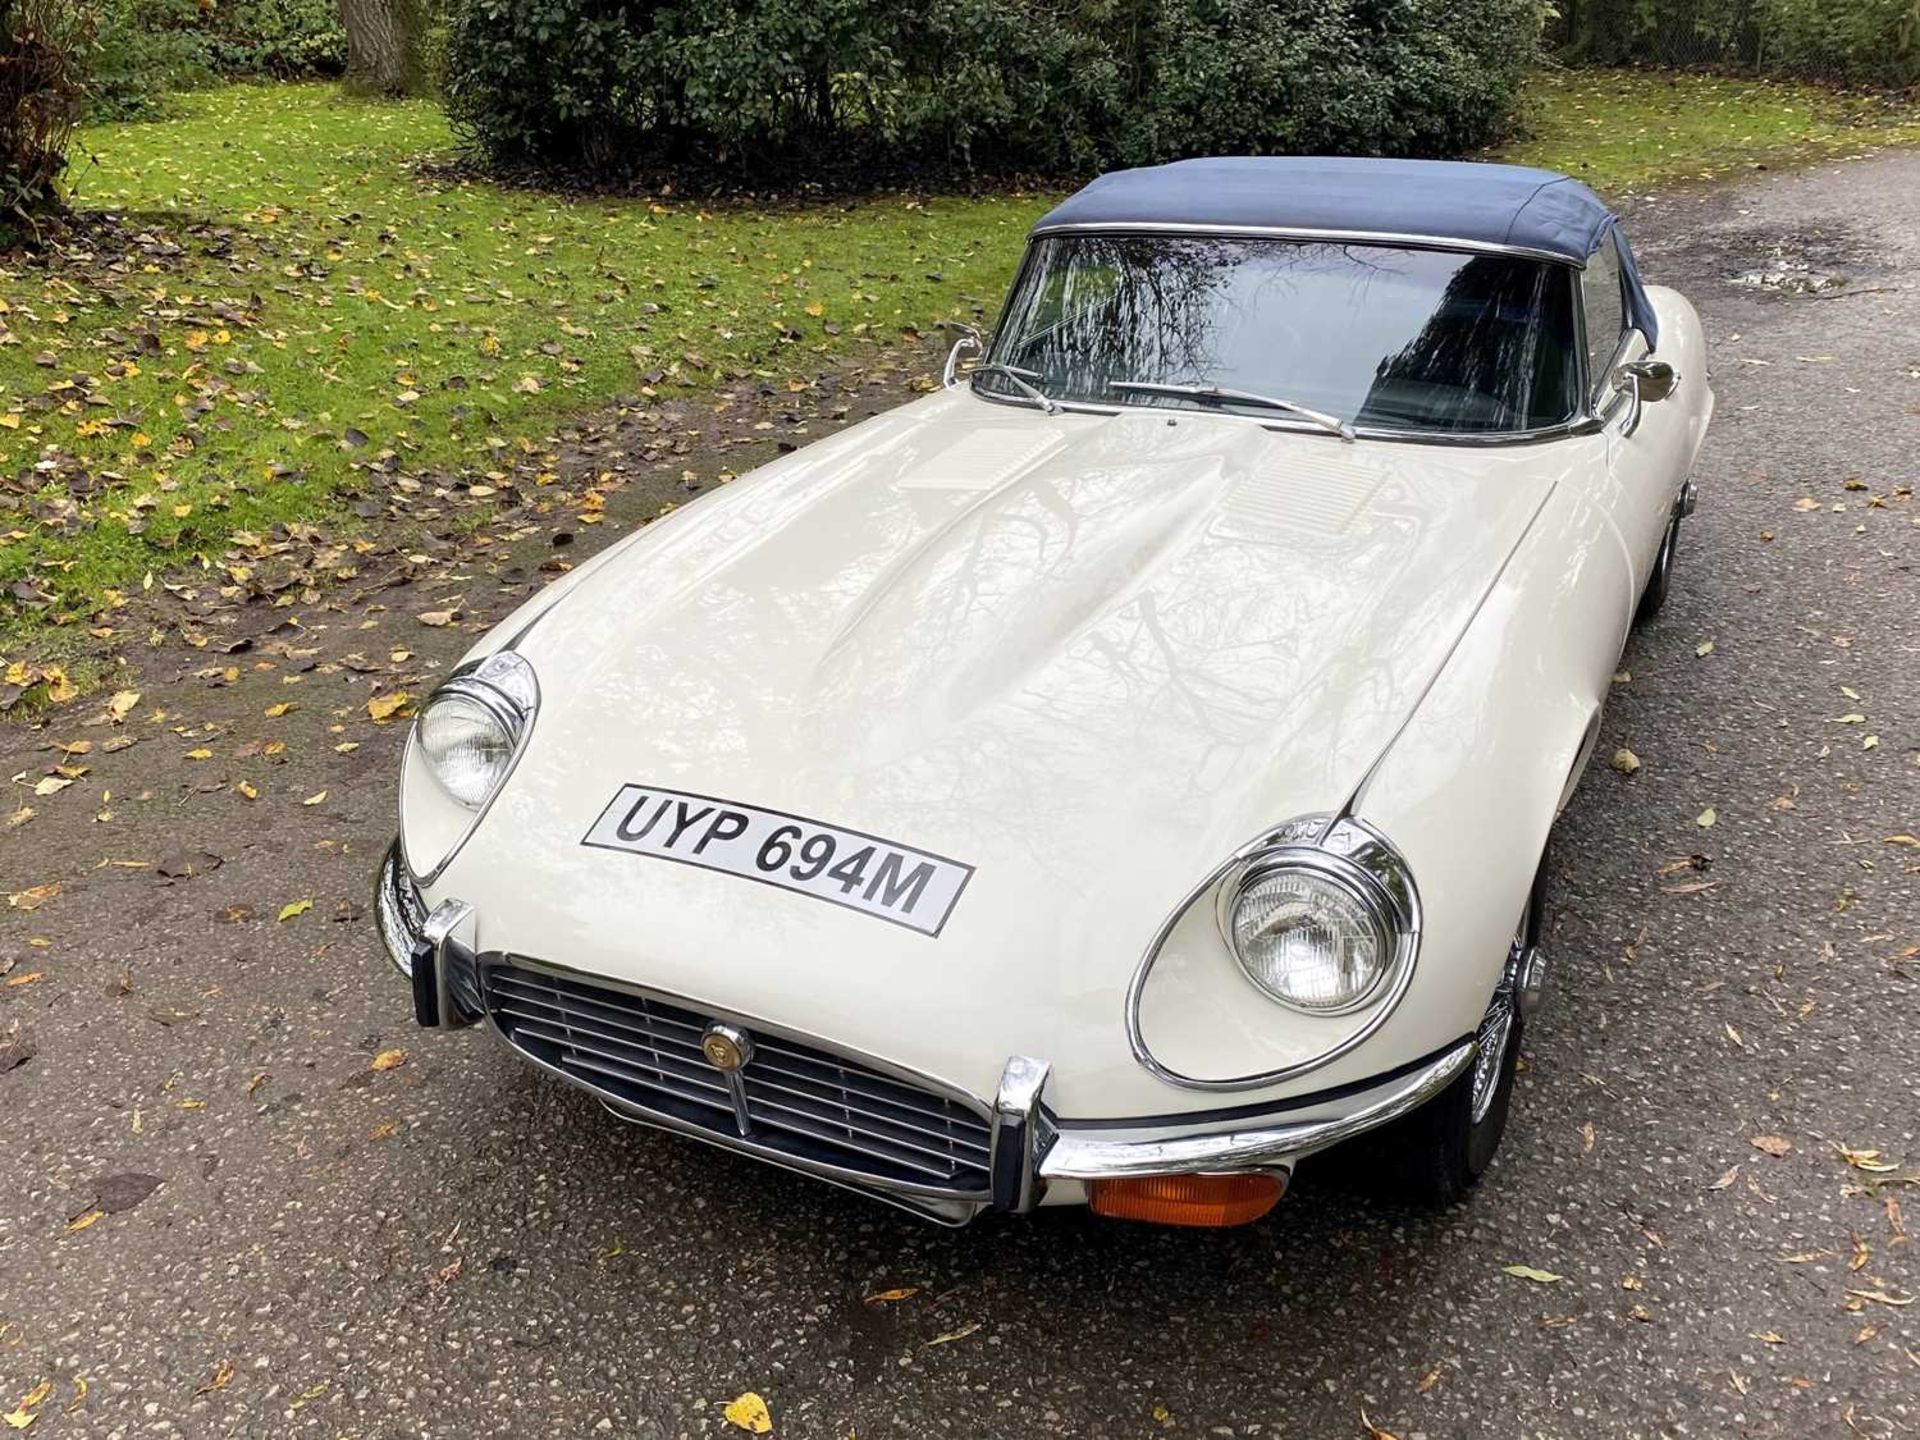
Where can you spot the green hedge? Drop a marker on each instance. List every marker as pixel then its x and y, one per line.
pixel 1862 42
pixel 759 87
pixel 148 47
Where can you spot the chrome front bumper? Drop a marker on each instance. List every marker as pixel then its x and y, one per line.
pixel 1034 1157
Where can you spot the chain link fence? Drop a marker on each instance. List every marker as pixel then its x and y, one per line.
pixel 1862 43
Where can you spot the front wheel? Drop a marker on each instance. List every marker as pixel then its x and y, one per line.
pixel 1435 1155
pixel 1660 580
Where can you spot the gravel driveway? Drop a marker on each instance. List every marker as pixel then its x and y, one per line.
pixel 224 1220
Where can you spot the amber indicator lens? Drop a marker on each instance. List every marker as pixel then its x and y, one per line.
pixel 1187 1199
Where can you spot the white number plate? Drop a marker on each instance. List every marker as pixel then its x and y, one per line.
pixel 896 882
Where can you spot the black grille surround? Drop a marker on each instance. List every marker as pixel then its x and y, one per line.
pixel 827 1112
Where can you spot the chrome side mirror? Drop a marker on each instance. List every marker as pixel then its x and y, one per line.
pixel 971 343
pixel 1649 380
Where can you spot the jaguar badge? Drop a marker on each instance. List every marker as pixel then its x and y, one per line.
pixel 725 1047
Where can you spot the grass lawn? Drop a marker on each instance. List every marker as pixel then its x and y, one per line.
pixel 1625 129
pixel 291 295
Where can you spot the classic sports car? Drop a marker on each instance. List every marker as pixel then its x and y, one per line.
pixel 1124 772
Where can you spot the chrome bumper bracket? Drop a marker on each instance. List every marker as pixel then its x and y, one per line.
pixel 446 938
pixel 1020 1134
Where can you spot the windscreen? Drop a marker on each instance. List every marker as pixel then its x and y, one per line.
pixel 1385 337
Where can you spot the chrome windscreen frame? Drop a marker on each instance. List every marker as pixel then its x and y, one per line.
pixel 1583 422
pixel 1341 846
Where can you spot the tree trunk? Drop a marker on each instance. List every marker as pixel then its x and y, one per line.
pixel 385 50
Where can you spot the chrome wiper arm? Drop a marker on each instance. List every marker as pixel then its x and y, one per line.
pixel 1021 381
pixel 1333 424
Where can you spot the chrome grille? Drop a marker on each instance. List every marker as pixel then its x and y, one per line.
pixel 645 1054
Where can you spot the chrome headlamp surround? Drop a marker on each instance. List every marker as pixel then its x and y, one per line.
pixel 504 686
pixel 1339 848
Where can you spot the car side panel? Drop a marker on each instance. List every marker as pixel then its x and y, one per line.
pixel 1470 788
pixel 1651 464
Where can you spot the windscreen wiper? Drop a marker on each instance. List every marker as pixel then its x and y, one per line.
pixel 1333 424
pixel 1022 381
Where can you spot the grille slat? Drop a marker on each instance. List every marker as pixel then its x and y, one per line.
pixel 843 1121
pixel 947 1136
pixel 832 1072
pixel 571 1037
pixel 628 1039
pixel 627 1077
pixel 800 1101
pixel 653 1021
pixel 772 1116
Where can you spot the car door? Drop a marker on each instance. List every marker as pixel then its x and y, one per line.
pixel 1646 440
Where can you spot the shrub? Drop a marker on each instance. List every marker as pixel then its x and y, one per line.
pixel 1870 42
pixel 758 87
pixel 1416 77
pixel 148 47
pixel 44 48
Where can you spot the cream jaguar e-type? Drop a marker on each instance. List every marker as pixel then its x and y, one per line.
pixel 1124 772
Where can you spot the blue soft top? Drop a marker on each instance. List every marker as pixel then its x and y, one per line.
pixel 1446 201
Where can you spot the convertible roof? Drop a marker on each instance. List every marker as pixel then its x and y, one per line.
pixel 1445 200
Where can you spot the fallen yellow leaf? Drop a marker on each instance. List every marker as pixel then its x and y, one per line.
pixel 383 707
pixel 315 799
pixel 1528 1272
pixel 388 1060
pixel 953 1335
pixel 749 1413
pixel 285 707
pixel 1881 1297
pixel 23 1415
pixel 296 907
pixel 34 896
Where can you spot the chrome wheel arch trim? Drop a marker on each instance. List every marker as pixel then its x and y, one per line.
pixel 1343 845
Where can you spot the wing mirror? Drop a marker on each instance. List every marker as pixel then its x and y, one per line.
pixel 1648 379
pixel 970 344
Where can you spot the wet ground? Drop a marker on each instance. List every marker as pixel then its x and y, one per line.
pixel 219 1216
